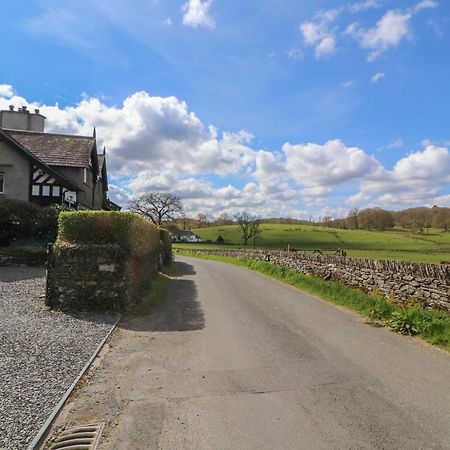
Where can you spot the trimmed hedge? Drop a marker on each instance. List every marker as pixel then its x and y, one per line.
pixel 127 230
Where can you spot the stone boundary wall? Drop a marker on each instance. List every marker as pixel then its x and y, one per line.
pixel 23 258
pixel 403 281
pixel 96 277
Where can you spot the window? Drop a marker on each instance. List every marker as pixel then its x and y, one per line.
pixel 55 191
pixel 46 191
pixel 85 175
pixel 35 190
pixel 2 183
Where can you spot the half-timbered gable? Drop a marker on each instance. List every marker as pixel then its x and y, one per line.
pixel 26 177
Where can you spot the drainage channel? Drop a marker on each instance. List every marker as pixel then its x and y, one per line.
pixel 86 437
pixel 43 432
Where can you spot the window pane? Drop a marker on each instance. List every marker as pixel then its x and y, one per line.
pixel 55 191
pixel 35 190
pixel 46 191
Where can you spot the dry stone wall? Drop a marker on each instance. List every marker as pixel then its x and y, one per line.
pixel 403 281
pixel 23 258
pixel 96 277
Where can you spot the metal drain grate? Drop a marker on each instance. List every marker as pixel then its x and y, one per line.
pixel 84 437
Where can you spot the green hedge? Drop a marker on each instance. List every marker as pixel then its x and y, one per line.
pixel 128 230
pixel 22 221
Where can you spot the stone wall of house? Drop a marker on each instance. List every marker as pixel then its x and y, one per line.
pixel 96 277
pixel 403 281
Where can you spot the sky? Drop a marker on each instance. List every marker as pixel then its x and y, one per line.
pixel 282 108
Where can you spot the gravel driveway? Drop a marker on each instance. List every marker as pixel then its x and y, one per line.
pixel 41 353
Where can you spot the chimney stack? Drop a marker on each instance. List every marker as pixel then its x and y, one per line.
pixel 22 119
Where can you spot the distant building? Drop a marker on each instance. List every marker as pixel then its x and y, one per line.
pixel 184 236
pixel 49 168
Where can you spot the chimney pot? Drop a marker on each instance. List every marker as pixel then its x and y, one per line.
pixel 11 107
pixel 24 108
pixel 36 111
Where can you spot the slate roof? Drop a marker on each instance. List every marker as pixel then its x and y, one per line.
pixel 56 149
pixel 18 146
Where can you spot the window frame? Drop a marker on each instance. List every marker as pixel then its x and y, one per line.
pixel 2 182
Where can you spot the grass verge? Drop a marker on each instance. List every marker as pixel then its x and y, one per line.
pixel 432 326
pixel 152 293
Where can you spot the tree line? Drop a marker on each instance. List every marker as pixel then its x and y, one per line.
pixel 378 219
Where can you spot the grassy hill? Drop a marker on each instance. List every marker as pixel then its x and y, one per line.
pixel 397 244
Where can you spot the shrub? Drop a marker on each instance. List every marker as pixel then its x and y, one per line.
pixel 220 240
pixel 127 230
pixel 24 221
pixel 17 220
pixel 47 224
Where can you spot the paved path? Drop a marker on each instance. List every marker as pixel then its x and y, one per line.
pixel 234 360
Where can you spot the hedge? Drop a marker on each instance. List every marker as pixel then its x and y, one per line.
pixel 166 239
pixel 127 230
pixel 22 221
pixel 164 236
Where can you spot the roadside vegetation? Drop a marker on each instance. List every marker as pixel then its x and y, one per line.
pixel 431 325
pixel 398 243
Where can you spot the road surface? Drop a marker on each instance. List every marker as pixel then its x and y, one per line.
pixel 234 360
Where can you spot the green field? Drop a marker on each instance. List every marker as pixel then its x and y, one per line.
pixel 433 246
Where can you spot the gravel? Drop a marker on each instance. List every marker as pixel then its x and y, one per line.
pixel 41 353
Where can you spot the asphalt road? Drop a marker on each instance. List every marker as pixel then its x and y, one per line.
pixel 234 360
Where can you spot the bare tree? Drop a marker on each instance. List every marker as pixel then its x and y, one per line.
pixel 224 219
pixel 249 225
pixel 158 206
pixel 202 220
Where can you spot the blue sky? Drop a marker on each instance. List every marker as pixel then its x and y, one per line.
pixel 279 107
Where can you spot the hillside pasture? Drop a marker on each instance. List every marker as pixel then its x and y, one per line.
pixel 399 244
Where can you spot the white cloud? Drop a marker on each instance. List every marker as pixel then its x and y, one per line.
pixel 357 199
pixel 425 4
pixel 364 5
pixel 320 34
pixel 315 196
pixel 393 27
pixel 377 77
pixel 295 53
pixel 389 31
pixel 442 201
pixel 196 13
pixel 414 180
pixel 397 143
pixel 6 90
pixel 329 164
pixel 347 84
pixel 167 22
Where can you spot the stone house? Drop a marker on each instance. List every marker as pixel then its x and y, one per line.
pixel 50 168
